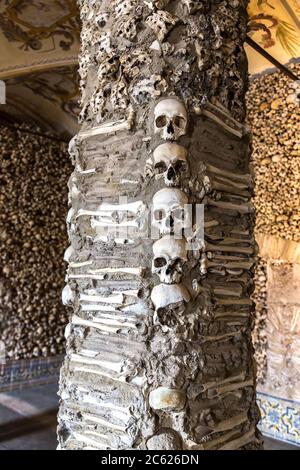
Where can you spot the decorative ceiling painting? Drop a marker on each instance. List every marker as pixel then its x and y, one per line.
pixel 37 34
pixel 39 43
pixel 39 46
pixel 48 99
pixel 275 25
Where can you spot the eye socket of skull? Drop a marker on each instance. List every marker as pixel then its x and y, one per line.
pixel 179 214
pixel 161 121
pixel 159 262
pixel 160 168
pixel 176 263
pixel 179 121
pixel 180 165
pixel 159 214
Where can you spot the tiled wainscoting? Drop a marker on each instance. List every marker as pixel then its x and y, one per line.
pixel 280 418
pixel 19 374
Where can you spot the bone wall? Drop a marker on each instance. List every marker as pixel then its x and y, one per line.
pixel 33 175
pixel 159 352
pixel 273 113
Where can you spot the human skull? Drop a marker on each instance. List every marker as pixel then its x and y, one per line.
pixel 170 119
pixel 170 163
pixel 169 256
pixel 170 214
pixel 169 302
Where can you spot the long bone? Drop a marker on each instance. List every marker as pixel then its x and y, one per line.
pixel 104 328
pixel 118 299
pixel 221 115
pixel 242 178
pixel 134 382
pixel 80 264
pixel 228 182
pixel 100 274
pixel 214 384
pixel 243 301
pixel 108 315
pixel 229 249
pixel 109 128
pixel 116 215
pixel 240 442
pixel 207 339
pixel 227 188
pixel 230 266
pixel 227 240
pixel 223 313
pixel 96 444
pixel 104 423
pixel 229 423
pixel 225 389
pixel 211 444
pixel 242 208
pixel 118 368
pixel 227 258
pixel 224 291
pixel 139 271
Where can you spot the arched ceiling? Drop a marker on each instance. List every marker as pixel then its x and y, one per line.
pixel 275 25
pixel 39 44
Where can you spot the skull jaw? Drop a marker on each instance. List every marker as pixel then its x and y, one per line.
pixel 170 183
pixel 173 135
pixel 170 316
pixel 174 182
pixel 173 278
pixel 173 230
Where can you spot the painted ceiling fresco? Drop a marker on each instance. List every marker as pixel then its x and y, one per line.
pixel 275 25
pixel 39 44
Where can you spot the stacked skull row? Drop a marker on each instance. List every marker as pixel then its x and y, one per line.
pixel 169 162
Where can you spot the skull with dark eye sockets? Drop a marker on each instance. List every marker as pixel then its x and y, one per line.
pixel 169 256
pixel 170 119
pixel 171 213
pixel 170 163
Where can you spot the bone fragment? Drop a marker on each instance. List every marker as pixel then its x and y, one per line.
pixel 107 128
pixel 242 208
pixel 240 442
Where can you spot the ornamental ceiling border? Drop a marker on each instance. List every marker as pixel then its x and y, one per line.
pixel 37 66
pixel 33 37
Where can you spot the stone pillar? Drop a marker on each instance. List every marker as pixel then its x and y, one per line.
pixel 159 352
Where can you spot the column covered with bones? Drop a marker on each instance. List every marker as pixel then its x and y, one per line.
pixel 159 352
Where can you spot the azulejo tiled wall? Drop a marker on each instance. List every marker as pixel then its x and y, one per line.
pixel 22 373
pixel 280 418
